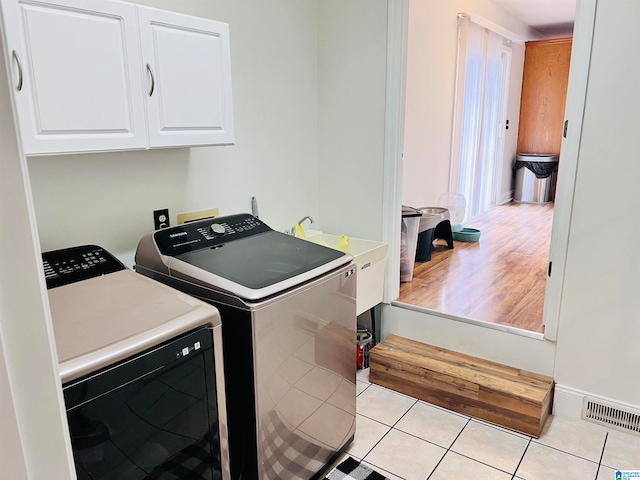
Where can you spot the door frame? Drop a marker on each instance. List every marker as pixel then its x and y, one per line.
pixel 568 166
pixel 394 140
pixel 498 167
pixel 397 39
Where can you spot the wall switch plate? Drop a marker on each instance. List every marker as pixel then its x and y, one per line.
pixel 161 218
pixel 193 216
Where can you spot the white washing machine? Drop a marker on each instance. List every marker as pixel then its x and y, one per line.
pixel 141 370
pixel 288 313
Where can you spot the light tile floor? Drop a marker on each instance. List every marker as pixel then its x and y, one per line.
pixel 407 439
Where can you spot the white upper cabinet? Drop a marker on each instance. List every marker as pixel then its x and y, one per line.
pixel 76 75
pixel 188 79
pixel 109 75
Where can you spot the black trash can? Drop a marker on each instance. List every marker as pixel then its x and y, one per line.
pixel 534 177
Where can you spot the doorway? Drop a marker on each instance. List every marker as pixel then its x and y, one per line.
pixel 501 278
pixel 429 181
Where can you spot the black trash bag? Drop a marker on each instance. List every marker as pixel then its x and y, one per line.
pixel 539 169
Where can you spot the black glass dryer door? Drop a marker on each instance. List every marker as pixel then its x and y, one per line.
pixel 150 417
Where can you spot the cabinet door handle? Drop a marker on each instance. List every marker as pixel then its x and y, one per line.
pixel 153 81
pixel 19 64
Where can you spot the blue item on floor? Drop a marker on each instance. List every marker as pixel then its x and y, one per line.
pixel 467 235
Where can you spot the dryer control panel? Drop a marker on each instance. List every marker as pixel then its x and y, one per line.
pixel 210 233
pixel 70 265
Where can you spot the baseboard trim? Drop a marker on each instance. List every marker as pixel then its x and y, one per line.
pixel 506 197
pixel 568 403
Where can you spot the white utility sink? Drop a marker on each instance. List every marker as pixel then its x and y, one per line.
pixel 369 256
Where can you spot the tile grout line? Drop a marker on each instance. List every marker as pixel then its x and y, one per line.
pixel 495 427
pixel 521 458
pixel 443 409
pixel 392 427
pixel 381 438
pixel 468 421
pixel 606 437
pixel 449 449
pixel 493 467
pixel 564 451
pixel 501 429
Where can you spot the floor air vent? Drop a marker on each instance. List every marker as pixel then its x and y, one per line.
pixel 611 416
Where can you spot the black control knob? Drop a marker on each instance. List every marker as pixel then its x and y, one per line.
pixel 217 228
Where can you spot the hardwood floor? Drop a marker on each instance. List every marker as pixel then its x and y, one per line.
pixel 499 279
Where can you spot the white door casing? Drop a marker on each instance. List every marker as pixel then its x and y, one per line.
pixel 398 14
pixel 500 161
pixel 569 152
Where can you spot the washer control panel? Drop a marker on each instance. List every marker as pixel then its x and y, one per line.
pixel 70 265
pixel 209 233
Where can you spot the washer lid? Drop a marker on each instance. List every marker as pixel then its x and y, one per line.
pixel 262 260
pixel 241 255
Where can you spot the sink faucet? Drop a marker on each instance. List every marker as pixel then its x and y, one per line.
pixel 308 217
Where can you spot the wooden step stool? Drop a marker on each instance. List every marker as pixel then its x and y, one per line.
pixel 506 396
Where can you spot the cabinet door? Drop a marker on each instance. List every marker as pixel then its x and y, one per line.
pixel 544 95
pixel 76 75
pixel 188 79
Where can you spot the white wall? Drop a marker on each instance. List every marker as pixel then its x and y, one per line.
pixel 33 429
pixel 431 70
pixel 597 348
pixel 12 462
pixel 108 198
pixel 352 46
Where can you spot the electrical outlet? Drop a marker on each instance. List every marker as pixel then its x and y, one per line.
pixel 161 218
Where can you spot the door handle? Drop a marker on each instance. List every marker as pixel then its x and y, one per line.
pixel 153 80
pixel 19 64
